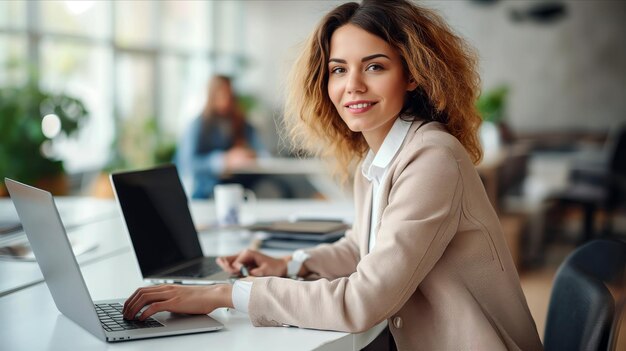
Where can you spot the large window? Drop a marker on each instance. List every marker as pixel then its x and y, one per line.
pixel 87 19
pixel 13 14
pixel 13 51
pixel 83 70
pixel 140 67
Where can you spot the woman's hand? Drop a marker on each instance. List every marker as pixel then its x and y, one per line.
pixel 239 157
pixel 258 264
pixel 178 299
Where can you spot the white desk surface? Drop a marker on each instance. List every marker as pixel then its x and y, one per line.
pixel 74 211
pixel 98 224
pixel 83 219
pixel 29 319
pixel 18 274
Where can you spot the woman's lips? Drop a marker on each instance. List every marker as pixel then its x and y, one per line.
pixel 357 107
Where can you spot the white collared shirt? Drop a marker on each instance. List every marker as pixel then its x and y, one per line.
pixel 375 167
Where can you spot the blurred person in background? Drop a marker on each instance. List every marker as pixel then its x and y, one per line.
pixel 217 142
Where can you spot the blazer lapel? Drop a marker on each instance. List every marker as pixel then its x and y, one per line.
pixel 366 220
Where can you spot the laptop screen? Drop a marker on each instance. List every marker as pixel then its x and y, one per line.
pixel 157 217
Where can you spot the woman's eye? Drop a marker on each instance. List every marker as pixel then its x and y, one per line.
pixel 338 70
pixel 374 67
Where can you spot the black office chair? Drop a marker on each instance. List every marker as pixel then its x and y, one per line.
pixel 583 313
pixel 598 184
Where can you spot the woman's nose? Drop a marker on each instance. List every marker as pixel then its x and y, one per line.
pixel 356 84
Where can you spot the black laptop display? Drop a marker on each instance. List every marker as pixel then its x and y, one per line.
pixel 161 229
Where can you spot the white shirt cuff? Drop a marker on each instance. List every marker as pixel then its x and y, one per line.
pixel 241 295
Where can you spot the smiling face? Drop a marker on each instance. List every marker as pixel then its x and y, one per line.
pixel 366 83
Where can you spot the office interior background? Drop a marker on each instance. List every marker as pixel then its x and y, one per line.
pixel 553 77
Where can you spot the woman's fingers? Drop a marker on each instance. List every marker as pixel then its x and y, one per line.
pixel 133 297
pixel 232 264
pixel 258 264
pixel 226 263
pixel 144 300
pixel 178 299
pixel 265 265
pixel 143 297
pixel 155 308
pixel 249 258
pixel 257 272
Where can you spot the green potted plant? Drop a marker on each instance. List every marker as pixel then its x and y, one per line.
pixel 491 104
pixel 492 107
pixel 137 145
pixel 22 139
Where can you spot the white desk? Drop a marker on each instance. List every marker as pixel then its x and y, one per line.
pixel 82 218
pixel 29 319
pixel 74 211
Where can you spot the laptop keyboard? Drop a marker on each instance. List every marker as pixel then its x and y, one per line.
pixel 111 318
pixel 199 270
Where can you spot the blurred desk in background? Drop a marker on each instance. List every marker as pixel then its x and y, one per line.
pixel 488 170
pixel 285 165
pixel 504 170
pixel 288 170
pixel 317 173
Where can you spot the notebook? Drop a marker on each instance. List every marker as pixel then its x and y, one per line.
pixel 155 210
pixel 48 239
pixel 309 230
pixel 291 244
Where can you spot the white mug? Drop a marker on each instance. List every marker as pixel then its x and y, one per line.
pixel 228 201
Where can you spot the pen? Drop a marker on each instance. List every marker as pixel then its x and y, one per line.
pixel 243 271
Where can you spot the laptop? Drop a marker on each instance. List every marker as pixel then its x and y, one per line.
pixel 48 239
pixel 164 238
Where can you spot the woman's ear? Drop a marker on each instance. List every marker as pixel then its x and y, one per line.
pixel 411 84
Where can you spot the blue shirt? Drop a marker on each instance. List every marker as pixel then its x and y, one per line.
pixel 200 154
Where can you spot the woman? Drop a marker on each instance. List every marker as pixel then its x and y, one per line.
pixel 217 142
pixel 388 83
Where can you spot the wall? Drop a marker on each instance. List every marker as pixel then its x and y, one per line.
pixel 567 75
pixel 274 32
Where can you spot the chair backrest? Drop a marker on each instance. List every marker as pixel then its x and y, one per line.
pixel 616 149
pixel 616 183
pixel 583 313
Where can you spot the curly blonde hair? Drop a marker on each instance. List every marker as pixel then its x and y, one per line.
pixel 441 63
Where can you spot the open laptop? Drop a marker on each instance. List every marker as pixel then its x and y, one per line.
pixel 48 239
pixel 165 240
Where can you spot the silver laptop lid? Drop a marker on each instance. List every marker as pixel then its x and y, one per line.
pixel 48 239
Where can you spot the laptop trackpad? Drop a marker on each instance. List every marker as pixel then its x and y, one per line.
pixel 185 320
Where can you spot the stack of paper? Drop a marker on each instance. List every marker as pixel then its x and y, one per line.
pixel 299 234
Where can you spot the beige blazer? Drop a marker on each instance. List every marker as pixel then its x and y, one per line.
pixel 440 273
